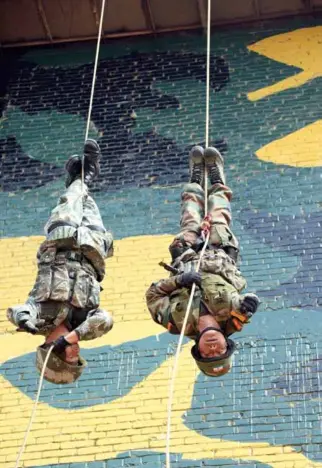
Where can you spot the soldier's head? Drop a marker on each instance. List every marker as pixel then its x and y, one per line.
pixel 71 353
pixel 212 352
pixel 61 368
pixel 211 343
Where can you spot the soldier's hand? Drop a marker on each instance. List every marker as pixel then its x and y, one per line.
pixel 249 304
pixel 60 345
pixel 186 280
pixel 29 326
pixel 205 225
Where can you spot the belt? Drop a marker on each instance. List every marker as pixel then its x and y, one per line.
pixel 57 224
pixel 92 227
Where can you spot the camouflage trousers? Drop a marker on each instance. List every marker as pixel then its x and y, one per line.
pixel 192 215
pixel 75 208
pixel 77 217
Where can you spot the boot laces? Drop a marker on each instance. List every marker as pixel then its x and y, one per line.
pixel 197 172
pixel 214 173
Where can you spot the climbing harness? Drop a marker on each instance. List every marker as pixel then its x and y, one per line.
pixel 206 238
pixel 82 179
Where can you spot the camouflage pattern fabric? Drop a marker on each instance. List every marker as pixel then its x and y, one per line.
pixel 70 266
pixel 167 303
pixel 192 214
pixel 83 226
pixel 58 371
pixel 61 277
pixel 88 324
pixel 222 282
pixel 98 322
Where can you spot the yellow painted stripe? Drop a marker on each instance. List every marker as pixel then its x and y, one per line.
pixel 301 48
pixel 302 148
pixel 135 422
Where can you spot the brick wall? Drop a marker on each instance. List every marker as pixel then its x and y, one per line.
pixel 149 109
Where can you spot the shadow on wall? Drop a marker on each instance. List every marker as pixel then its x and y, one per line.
pixel 123 85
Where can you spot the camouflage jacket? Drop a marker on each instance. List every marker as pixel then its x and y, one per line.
pixel 88 324
pixel 219 293
pixel 66 290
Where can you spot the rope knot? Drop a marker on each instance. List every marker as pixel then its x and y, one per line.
pixel 205 226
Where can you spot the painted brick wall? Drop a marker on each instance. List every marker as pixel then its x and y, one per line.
pixel 148 111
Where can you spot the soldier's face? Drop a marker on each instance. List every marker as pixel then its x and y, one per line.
pixel 72 354
pixel 212 344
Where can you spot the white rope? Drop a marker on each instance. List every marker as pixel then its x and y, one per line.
pixel 93 81
pixel 193 289
pixel 34 408
pixel 207 97
pixel 208 72
pixel 176 360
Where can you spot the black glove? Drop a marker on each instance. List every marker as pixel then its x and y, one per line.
pixel 186 280
pixel 249 305
pixel 60 345
pixel 29 326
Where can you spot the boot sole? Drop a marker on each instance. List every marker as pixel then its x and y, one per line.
pixel 196 154
pixel 71 162
pixel 94 152
pixel 211 158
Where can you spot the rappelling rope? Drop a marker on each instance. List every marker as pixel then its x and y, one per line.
pixel 21 451
pixel 193 289
pixel 176 359
pixel 93 83
pixel 207 98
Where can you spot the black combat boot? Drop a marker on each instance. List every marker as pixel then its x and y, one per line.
pixel 197 165
pixel 215 166
pixel 74 169
pixel 92 154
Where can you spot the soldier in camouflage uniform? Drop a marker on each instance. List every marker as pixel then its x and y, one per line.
pixel 218 309
pixel 64 302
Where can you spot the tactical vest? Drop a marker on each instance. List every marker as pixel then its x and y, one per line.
pixel 66 276
pixel 216 262
pixel 94 244
pixel 222 282
pixel 178 306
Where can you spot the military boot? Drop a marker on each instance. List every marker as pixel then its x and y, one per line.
pixel 215 166
pixel 92 155
pixel 74 169
pixel 197 165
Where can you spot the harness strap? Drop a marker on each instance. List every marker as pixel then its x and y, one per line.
pixel 57 224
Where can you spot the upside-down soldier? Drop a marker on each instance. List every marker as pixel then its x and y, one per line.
pixel 218 308
pixel 64 302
